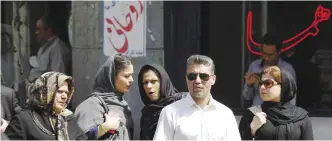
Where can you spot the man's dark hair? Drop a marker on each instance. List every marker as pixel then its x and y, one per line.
pixel 147 68
pixel 271 39
pixel 47 21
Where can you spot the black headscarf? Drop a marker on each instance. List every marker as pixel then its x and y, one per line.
pixel 151 110
pixel 90 112
pixel 283 114
pixel 167 90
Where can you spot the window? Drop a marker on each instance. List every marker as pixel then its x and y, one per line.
pixel 312 57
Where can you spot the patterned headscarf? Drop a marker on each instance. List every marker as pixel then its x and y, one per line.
pixel 42 91
pixel 42 96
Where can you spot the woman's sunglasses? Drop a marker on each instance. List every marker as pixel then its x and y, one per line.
pixel 202 76
pixel 268 83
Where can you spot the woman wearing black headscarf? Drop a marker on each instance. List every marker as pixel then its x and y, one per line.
pixel 157 91
pixel 276 118
pixel 105 114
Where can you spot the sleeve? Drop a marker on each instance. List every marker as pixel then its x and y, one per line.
pixel 15 129
pixel 165 129
pixel 292 71
pixel 92 134
pixel 89 114
pixel 16 107
pixel 244 126
pixel 249 91
pixel 307 133
pixel 57 60
pixel 232 130
pixel 81 137
pixel 142 134
pixel 98 133
pixel 131 133
pixel 7 103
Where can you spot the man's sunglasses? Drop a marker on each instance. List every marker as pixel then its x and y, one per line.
pixel 202 76
pixel 268 83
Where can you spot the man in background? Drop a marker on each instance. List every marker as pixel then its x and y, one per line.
pixel 271 47
pixel 53 55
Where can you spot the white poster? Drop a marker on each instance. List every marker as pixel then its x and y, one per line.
pixel 124 28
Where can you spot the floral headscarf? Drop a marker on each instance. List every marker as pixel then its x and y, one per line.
pixel 42 96
pixel 42 91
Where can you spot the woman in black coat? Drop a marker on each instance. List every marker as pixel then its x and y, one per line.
pixel 157 91
pixel 47 117
pixel 276 118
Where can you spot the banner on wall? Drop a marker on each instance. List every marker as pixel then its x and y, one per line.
pixel 124 28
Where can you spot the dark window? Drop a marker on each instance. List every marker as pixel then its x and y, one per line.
pixel 311 58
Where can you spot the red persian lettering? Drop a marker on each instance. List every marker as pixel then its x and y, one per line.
pixel 124 47
pixel 125 28
pixel 321 14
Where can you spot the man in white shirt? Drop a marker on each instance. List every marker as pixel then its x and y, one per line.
pixel 198 116
pixel 53 55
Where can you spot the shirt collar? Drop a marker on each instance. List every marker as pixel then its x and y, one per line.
pixel 49 41
pixel 189 102
pixel 52 38
pixel 279 62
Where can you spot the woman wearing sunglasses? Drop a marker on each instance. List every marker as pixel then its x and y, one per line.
pixel 276 118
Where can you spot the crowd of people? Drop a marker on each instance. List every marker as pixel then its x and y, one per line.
pixel 167 115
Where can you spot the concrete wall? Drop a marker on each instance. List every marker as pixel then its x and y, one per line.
pixel 86 43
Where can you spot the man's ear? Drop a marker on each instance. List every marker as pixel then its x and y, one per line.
pixel 213 78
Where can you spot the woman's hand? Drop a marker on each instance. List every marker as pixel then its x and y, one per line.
pixel 257 122
pixel 112 122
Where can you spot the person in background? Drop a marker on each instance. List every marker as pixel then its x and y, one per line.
pixel 14 62
pixel 271 47
pixel 276 118
pixel 53 55
pixel 9 106
pixel 47 117
pixel 157 91
pixel 198 116
pixel 105 114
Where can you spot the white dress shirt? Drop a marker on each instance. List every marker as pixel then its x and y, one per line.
pixel 185 120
